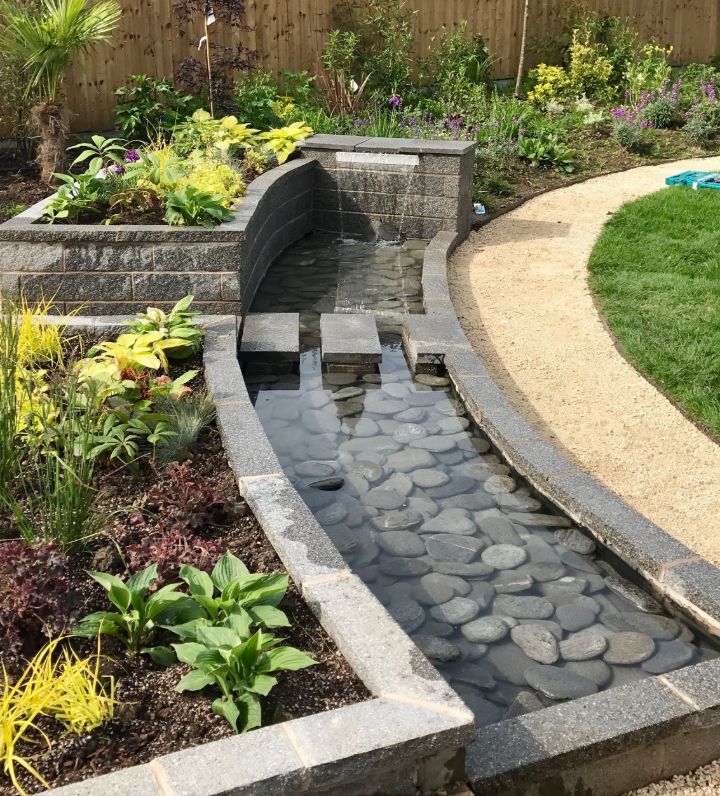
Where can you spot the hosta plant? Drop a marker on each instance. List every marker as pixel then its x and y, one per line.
pixel 547 151
pixel 136 614
pixel 191 207
pixel 178 324
pixel 282 141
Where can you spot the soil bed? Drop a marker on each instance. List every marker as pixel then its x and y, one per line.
pixel 153 719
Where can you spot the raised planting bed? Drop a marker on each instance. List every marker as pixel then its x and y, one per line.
pixel 392 725
pixel 348 184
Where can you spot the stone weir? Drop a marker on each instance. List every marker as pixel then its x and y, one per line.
pixel 345 184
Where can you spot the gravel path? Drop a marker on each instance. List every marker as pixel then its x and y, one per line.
pixel 521 292
pixel 703 782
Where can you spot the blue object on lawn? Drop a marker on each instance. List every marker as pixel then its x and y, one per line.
pixel 696 180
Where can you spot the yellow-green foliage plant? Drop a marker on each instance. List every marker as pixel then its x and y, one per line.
pixel 282 141
pixel 552 84
pixel 590 69
pixel 213 176
pixel 41 340
pixel 64 687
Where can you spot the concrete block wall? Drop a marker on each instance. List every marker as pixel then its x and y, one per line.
pixel 105 270
pixel 418 187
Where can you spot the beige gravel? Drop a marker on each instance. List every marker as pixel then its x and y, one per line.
pixel 703 782
pixel 521 291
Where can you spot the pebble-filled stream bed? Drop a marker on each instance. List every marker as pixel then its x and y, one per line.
pixel 504 596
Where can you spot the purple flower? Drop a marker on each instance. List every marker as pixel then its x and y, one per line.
pixel 117 168
pixel 396 101
pixel 131 156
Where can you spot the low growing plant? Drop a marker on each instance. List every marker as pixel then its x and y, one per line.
pixel 64 687
pixel 135 618
pixel 187 418
pixel 282 141
pixel 547 151
pixel 170 551
pixel 191 207
pixel 178 324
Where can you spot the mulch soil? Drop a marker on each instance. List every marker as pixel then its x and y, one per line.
pixel 153 719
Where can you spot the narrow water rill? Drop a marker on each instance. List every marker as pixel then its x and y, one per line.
pixel 509 600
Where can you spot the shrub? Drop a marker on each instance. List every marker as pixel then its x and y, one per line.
pixel 648 71
pixel 214 177
pixel 256 96
pixel 590 69
pixel 630 136
pixel 550 84
pixel 149 109
pixel 34 597
pixel 661 114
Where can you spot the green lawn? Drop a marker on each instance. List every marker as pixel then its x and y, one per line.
pixel 656 272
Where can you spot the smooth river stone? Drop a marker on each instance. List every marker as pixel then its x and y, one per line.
pixel 512 582
pixel 660 628
pixel 669 655
pixel 547 571
pixel 499 484
pixel 485 630
pixel 428 508
pixel 312 469
pixel 500 530
pixel 434 589
pixel 328 484
pixel 347 392
pixel 349 408
pixel 381 498
pixel 399 482
pixel 457 611
pixel 531 520
pixel 508 663
pixel 583 646
pixel 437 649
pixel 339 379
pixel 518 501
pixel 575 541
pixel 456 487
pixel 523 607
pixel 434 444
pixel 446 547
pixel 387 406
pixel 597 671
pixel 557 683
pixel 413 415
pixel 536 642
pixel 396 567
pixel 427 479
pixel 483 594
pixel 626 649
pixel 332 514
pixel 473 674
pixel 474 570
pixel 504 556
pixel 396 390
pixel 406 461
pixel 319 422
pixel 364 427
pixel 366 469
pixel 454 521
pixel 398 521
pixel 403 544
pixel 430 380
pixel 407 613
pixel 574 617
pixel 408 432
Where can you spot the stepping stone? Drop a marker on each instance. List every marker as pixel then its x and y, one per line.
pixel 349 339
pixel 558 683
pixel 274 333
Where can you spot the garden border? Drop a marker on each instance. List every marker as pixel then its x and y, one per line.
pixel 409 738
pixel 566 747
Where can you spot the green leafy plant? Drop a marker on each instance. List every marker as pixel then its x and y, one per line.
pixel 242 668
pixel 192 207
pixel 149 109
pixel 9 398
pixel 282 141
pixel 99 151
pixel 630 136
pixel 78 197
pixel 137 614
pixel 546 150
pixel 255 96
pixel 45 41
pixel 178 324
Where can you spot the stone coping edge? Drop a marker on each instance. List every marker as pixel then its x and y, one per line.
pixel 413 716
pixel 396 146
pixel 567 747
pixel 24 226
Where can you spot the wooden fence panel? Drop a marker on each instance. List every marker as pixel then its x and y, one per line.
pixel 289 34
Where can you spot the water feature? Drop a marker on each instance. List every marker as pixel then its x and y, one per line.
pixel 505 596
